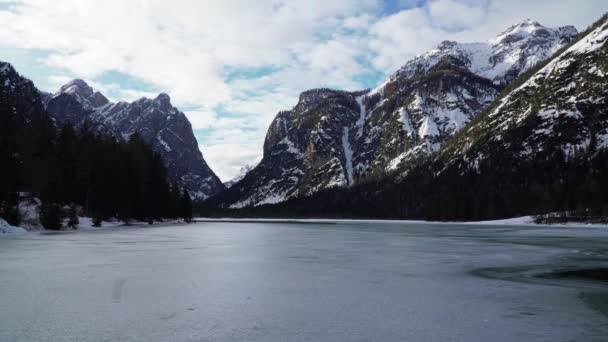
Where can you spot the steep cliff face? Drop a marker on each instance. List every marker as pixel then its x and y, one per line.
pixel 337 138
pixel 410 117
pixel 161 125
pixel 439 92
pixel 306 149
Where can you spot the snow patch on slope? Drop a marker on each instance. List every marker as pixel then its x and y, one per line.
pixel 362 114
pixel 404 119
pixel 428 127
pixel 291 148
pixel 348 156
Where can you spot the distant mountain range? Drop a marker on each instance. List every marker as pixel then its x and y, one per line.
pixel 335 138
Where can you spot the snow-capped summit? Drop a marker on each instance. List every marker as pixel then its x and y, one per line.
pixel 242 173
pixel 336 138
pixel 76 86
pixel 519 31
pixel 499 59
pixel 83 93
pixel 530 28
pixel 563 108
pixel 157 121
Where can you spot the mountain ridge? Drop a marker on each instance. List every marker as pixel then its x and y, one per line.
pixel 540 148
pixel 338 138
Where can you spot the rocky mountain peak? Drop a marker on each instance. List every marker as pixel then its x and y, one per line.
pixel 314 96
pixel 531 29
pixel 242 173
pixel 501 59
pixel 162 126
pixel 6 69
pixel 76 86
pixel 83 93
pixel 447 44
pixel 163 101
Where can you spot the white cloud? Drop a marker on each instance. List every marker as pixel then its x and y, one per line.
pixel 397 38
pixel 186 47
pixel 456 15
pixel 201 118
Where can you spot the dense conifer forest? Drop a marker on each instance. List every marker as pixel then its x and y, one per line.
pixel 68 168
pixel 576 186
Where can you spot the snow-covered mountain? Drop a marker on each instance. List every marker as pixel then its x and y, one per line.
pixel 500 59
pixel 161 125
pixel 337 138
pixel 242 173
pixel 563 106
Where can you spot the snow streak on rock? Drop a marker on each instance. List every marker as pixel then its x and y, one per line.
pixel 348 156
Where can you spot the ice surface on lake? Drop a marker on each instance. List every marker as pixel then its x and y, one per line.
pixel 302 282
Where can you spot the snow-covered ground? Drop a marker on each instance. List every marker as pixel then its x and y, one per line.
pixel 516 221
pixel 85 223
pixel 7 229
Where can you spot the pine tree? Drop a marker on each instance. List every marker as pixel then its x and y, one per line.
pixel 9 209
pixel 67 159
pixel 97 219
pixel 186 206
pixel 51 216
pixel 174 202
pixel 73 220
pixel 10 169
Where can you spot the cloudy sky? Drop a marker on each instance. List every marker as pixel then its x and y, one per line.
pixel 230 65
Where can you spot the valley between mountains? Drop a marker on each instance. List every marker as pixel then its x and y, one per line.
pixel 515 125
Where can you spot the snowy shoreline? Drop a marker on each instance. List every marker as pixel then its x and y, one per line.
pixel 515 221
pixel 86 224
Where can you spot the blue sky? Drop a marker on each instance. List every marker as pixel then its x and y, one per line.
pixel 231 65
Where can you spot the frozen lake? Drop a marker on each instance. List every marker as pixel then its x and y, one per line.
pixel 304 282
